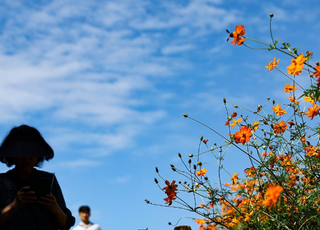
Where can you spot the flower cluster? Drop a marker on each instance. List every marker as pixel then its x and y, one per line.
pixel 281 189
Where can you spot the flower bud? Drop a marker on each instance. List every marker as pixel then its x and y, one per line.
pixel 157 170
pixel 190 155
pixel 148 202
pixel 179 154
pixel 224 100
pixel 235 106
pixel 271 15
pixel 155 180
pixel 185 115
pixel 201 138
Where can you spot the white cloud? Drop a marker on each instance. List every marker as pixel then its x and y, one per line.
pixel 80 163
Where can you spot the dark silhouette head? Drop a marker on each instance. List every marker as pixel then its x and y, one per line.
pixel 24 141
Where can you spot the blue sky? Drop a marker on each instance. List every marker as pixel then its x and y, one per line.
pixel 106 82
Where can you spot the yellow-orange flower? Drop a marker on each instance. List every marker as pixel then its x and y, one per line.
pixel 278 110
pixel 296 65
pixel 313 111
pixel 280 127
pixel 272 64
pixel 272 195
pixel 201 172
pixel 255 125
pixel 289 88
pixel 234 178
pixel 243 136
pixel 235 122
pixel 308 99
pixel 237 39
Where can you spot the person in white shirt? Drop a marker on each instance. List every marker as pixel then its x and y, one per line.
pixel 84 214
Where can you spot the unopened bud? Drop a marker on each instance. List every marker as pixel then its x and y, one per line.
pixel 190 155
pixel 271 15
pixel 156 180
pixel 157 170
pixel 179 154
pixel 185 115
pixel 147 201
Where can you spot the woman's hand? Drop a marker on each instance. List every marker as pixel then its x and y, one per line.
pixel 24 196
pixel 49 202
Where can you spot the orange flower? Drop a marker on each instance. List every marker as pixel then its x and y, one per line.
pixel 205 141
pixel 313 111
pixel 201 172
pixel 169 200
pixel 296 65
pixel 303 139
pixel 234 178
pixel 293 100
pixel 243 135
pixel 170 190
pixel 280 127
pixel 278 110
pixel 272 195
pixel 237 39
pixel 289 88
pixel 272 64
pixel 235 122
pixel 317 72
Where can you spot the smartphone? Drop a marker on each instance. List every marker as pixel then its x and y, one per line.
pixel 42 186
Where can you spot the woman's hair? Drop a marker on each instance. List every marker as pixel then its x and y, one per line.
pixel 182 227
pixel 25 132
pixel 9 161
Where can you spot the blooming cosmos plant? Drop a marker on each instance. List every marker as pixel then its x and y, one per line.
pixel 281 187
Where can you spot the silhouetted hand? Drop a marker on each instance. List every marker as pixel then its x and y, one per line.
pixel 49 202
pixel 25 196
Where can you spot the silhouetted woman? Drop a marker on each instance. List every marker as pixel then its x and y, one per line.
pixel 30 199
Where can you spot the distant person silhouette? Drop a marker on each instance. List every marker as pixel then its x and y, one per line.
pixel 84 214
pixel 30 199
